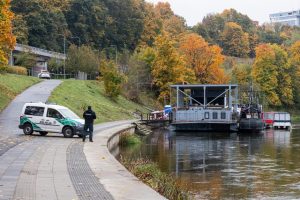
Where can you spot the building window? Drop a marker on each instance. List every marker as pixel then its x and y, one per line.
pixel 215 115
pixel 223 115
pixel 206 115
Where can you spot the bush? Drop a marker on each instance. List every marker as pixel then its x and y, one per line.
pixel 149 172
pixel 128 139
pixel 3 69
pixel 17 70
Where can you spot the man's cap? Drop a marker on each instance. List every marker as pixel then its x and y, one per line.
pixel 89 107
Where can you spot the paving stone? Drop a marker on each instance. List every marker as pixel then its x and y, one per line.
pixel 12 163
pixel 85 182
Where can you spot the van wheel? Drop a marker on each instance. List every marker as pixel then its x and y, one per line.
pixel 80 135
pixel 43 133
pixel 68 132
pixel 27 129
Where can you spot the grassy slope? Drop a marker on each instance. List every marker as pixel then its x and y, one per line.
pixel 77 95
pixel 11 85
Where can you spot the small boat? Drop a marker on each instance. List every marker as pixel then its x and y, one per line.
pixel 282 120
pixel 268 118
pixel 251 115
pixel 250 119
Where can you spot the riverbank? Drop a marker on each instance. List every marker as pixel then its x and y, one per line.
pixel 11 85
pixel 77 95
pixel 116 179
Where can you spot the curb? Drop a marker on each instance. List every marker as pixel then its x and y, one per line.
pixel 117 180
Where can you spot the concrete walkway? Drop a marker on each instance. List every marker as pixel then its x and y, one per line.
pixel 58 168
pixel 9 117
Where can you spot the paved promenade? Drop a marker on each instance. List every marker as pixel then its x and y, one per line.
pixel 58 168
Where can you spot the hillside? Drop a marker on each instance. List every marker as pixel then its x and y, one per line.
pixel 11 85
pixel 77 95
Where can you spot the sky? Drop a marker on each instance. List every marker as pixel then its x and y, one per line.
pixel 258 10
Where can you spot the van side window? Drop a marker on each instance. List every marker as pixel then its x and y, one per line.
pixel 34 110
pixel 52 113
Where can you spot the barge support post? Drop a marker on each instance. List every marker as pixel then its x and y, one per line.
pixel 204 96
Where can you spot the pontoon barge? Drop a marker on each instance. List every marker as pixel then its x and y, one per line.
pixel 205 107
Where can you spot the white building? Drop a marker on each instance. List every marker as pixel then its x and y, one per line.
pixel 291 18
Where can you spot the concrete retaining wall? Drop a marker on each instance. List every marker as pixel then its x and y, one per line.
pixel 113 141
pixel 116 179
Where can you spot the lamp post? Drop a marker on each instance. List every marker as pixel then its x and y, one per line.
pixel 64 55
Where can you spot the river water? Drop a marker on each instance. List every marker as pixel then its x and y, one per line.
pixel 227 166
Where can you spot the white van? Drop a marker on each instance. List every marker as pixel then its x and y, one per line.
pixel 44 118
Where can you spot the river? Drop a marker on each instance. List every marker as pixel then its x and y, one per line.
pixel 227 166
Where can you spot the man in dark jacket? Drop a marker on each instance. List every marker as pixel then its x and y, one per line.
pixel 89 117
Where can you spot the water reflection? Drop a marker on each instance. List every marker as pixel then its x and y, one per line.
pixel 228 166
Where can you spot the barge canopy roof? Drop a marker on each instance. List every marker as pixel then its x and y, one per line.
pixel 193 86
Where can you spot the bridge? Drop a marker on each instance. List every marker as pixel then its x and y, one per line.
pixel 39 52
pixel 42 56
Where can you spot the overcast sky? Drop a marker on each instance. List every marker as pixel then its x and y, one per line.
pixel 194 10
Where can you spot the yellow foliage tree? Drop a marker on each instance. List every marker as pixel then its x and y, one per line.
pixel 271 73
pixel 235 41
pixel 284 89
pixel 168 66
pixel 7 39
pixel 295 64
pixel 204 59
pixel 112 78
pixel 152 26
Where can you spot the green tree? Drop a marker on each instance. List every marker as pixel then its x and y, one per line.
pixel 112 78
pixel 82 59
pixel 25 59
pixel 45 21
pixel 234 41
pixel 20 29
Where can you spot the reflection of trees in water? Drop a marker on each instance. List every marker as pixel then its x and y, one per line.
pixel 229 166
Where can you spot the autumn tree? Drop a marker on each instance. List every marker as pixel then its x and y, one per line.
pixel 235 42
pixel 168 66
pixel 152 26
pixel 204 59
pixel 171 23
pixel 271 73
pixel 112 78
pixel 265 73
pixel 295 70
pixel 7 39
pixel 284 89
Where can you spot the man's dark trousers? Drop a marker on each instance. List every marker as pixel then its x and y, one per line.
pixel 88 129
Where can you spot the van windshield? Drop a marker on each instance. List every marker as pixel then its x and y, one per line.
pixel 68 113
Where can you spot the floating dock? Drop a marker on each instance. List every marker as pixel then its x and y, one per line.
pixel 205 107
